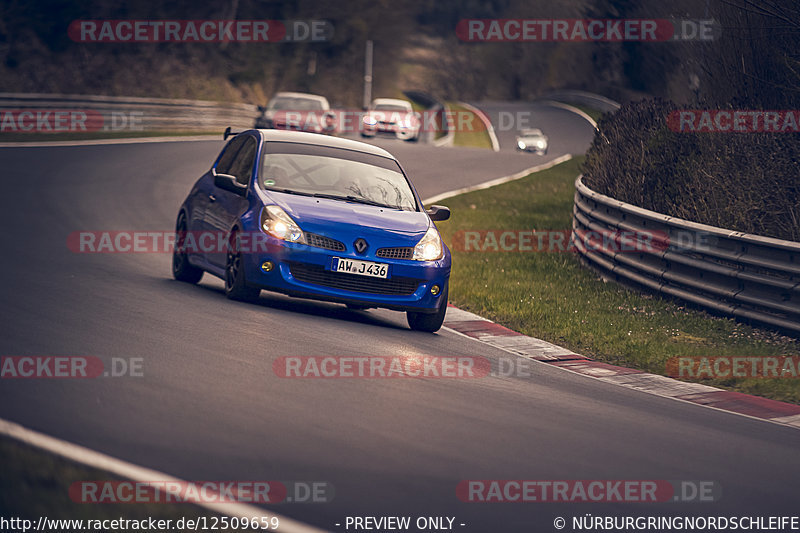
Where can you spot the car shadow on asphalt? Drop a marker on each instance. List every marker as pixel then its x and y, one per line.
pixel 281 302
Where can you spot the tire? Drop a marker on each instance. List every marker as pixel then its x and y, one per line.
pixel 236 287
pixel 182 270
pixel 429 322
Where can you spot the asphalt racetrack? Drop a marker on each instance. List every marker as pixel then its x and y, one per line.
pixel 210 407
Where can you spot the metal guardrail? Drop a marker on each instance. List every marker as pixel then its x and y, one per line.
pixel 112 113
pixel 147 114
pixel 595 101
pixel 737 274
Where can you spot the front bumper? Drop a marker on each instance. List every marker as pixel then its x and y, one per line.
pixel 379 129
pixel 304 271
pixel 532 148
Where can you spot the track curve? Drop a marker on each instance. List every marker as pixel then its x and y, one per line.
pixel 210 407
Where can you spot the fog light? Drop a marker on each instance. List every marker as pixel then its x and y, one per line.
pixel 435 290
pixel 267 266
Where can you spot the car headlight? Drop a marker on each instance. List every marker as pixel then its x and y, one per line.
pixel 521 145
pixel 429 247
pixel 277 223
pixel 540 144
pixel 370 120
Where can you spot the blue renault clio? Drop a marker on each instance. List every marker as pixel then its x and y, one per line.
pixel 318 217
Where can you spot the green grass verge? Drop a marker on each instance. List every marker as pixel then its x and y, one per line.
pixel 553 297
pixel 36 483
pixel 87 136
pixel 474 134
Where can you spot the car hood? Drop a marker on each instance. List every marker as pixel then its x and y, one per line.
pixel 319 215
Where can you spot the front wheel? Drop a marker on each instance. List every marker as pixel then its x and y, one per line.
pixel 429 322
pixel 182 270
pixel 236 287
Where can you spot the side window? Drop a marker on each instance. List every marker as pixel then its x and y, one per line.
pixel 242 166
pixel 224 164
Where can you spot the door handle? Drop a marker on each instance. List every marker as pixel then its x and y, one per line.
pixel 212 198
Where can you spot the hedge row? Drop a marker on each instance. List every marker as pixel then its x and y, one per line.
pixel 747 182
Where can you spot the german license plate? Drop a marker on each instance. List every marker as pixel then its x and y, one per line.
pixel 362 268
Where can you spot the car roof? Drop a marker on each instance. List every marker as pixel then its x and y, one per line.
pixel 531 131
pixel 317 139
pixel 391 101
pixel 300 95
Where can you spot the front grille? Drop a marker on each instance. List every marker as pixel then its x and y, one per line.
pixel 320 241
pixel 317 275
pixel 395 253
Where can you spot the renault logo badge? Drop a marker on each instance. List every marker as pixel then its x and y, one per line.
pixel 360 245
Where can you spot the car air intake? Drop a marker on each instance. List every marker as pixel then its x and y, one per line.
pixel 395 253
pixel 317 275
pixel 320 241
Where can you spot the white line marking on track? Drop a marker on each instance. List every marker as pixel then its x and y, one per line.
pixel 133 472
pixel 488 123
pixel 572 109
pixel 498 181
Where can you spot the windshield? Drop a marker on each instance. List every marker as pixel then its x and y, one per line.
pixel 283 103
pixel 334 177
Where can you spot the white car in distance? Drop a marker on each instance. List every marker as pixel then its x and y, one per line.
pixel 532 140
pixel 391 116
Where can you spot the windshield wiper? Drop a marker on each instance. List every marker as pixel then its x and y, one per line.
pixel 350 198
pixel 357 199
pixel 290 191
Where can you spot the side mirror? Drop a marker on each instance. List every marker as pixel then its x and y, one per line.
pixel 228 133
pixel 261 108
pixel 438 212
pixel 229 183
